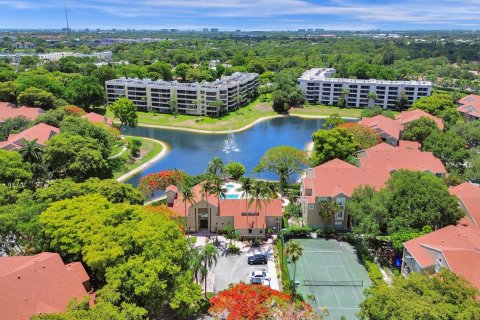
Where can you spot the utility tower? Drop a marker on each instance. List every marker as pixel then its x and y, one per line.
pixel 66 15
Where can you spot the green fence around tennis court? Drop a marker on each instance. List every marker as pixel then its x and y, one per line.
pixel 330 272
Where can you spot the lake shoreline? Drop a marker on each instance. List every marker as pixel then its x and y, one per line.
pixel 147 164
pixel 246 127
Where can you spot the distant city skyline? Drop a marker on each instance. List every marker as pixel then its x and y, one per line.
pixel 242 14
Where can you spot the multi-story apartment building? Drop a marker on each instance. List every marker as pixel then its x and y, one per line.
pixel 185 98
pixel 320 87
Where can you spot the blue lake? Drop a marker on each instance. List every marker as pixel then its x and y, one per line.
pixel 191 151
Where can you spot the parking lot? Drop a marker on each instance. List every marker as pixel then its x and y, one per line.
pixel 235 268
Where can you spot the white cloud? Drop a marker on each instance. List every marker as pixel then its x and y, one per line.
pixel 444 13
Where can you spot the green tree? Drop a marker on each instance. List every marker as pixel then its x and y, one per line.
pixel 181 70
pixel 7 72
pixel 13 125
pixel 8 91
pixel 330 144
pixel 333 120
pixel 209 257
pixel 104 136
pixel 126 111
pixel 104 73
pixel 31 151
pixel 421 296
pixel 215 167
pixel 51 117
pixel 235 170
pixel 343 98
pixel 372 97
pixel 71 155
pixel 435 104
pixel 188 196
pixel 173 105
pixel 292 210
pixel 85 92
pixel 246 186
pixel 448 147
pixel 473 169
pixel 29 61
pixel 283 161
pixel 410 201
pixel 14 170
pixel 294 251
pixel 34 97
pixel 112 190
pixel 327 210
pixel 160 70
pixel 218 190
pixel 402 101
pixel 138 256
pixel 418 130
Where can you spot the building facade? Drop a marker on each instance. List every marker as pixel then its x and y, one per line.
pixel 186 98
pixel 319 87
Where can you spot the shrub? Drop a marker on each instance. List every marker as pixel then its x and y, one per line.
pixel 232 249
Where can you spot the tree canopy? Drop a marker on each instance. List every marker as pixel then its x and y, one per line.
pixel 126 111
pixel 334 143
pixel 137 254
pixel 409 201
pixel 421 296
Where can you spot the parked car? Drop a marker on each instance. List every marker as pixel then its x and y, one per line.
pixel 258 259
pixel 261 281
pixel 259 275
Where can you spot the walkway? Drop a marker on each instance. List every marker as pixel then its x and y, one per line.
pixel 145 165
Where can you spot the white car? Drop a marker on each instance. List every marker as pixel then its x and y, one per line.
pixel 258 275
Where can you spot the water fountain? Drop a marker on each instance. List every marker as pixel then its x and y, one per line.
pixel 230 144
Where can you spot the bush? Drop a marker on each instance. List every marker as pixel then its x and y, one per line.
pixel 292 210
pixel 296 232
pixel 134 146
pixel 286 282
pixel 232 249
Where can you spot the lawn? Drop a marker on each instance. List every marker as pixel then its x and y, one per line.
pixel 234 120
pixel 148 150
pixel 323 110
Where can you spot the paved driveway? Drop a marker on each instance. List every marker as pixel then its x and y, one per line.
pixel 234 268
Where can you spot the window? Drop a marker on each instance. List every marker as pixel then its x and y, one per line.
pixel 249 230
pixel 339 215
pixel 311 206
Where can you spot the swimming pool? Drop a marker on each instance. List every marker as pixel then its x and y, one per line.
pixel 231 196
pixel 230 186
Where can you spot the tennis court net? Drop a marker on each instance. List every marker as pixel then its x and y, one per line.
pixel 350 283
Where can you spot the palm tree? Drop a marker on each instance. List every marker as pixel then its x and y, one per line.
pixel 215 166
pixel 172 103
pixel 205 191
pixel 258 192
pixel 294 251
pixel 246 189
pixel 188 195
pixel 209 258
pixel 193 258
pixel 218 190
pixel 372 97
pixel 342 100
pixel 31 152
pixel 270 193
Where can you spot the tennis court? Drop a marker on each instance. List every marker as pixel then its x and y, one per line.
pixel 329 271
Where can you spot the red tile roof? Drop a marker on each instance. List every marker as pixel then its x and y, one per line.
pixel 406 117
pixel 42 132
pixel 410 145
pixel 338 177
pixel 469 195
pixel 8 110
pixel 33 285
pixel 470 105
pixel 383 126
pixel 459 245
pixel 396 158
pixel 98 118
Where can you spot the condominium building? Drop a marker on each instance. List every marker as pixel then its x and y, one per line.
pixel 185 98
pixel 320 87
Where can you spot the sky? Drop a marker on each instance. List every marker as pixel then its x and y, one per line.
pixel 243 14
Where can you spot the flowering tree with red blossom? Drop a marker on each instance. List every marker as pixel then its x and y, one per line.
pixel 72 110
pixel 251 302
pixel 365 136
pixel 159 181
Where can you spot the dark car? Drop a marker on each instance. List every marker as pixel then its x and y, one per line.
pixel 257 259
